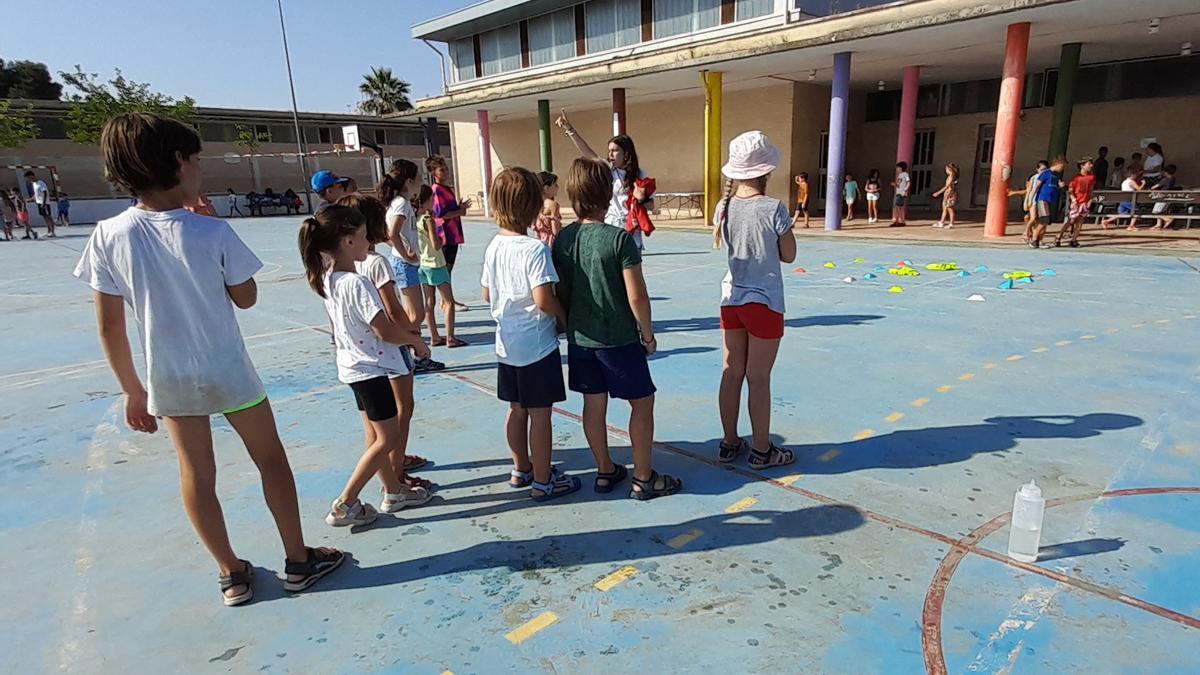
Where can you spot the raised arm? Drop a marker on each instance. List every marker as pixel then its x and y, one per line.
pixel 110 317
pixel 580 144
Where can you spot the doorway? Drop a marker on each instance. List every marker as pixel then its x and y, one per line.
pixel 983 164
pixel 822 173
pixel 922 170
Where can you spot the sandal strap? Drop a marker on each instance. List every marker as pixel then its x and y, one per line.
pixel 772 453
pixel 556 483
pixel 241 577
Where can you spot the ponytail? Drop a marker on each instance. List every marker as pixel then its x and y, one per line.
pixel 323 233
pixel 392 183
pixel 728 198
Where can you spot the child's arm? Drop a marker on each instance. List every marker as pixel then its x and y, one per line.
pixel 110 316
pixel 544 298
pixel 487 294
pixel 399 244
pixel 639 303
pixel 431 228
pixel 393 308
pixel 555 218
pixel 787 247
pixel 390 331
pixel 243 295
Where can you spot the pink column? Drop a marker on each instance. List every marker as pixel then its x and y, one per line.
pixel 1008 119
pixel 908 114
pixel 485 159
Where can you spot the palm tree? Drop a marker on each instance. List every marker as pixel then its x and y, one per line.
pixel 385 93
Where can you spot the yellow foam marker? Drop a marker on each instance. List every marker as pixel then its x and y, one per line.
pixel 741 505
pixel 920 402
pixel 942 267
pixel 895 289
pixel 860 260
pixel 623 574
pixel 830 265
pixel 967 377
pixel 531 627
pixel 945 388
pixel 1018 274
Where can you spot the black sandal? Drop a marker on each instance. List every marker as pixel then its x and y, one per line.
pixel 321 561
pixel 243 578
pixel 644 490
pixel 728 453
pixel 772 456
pixel 618 474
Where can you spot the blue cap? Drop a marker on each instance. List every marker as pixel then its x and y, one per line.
pixel 325 179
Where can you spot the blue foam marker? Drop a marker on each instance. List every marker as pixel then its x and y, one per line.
pixel 1025 280
pixel 1049 273
pixel 981 268
pixel 964 273
pixel 880 268
pixel 1006 286
pixel 870 275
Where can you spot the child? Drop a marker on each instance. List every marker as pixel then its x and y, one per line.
pixel 369 352
pixel 9 208
pixel 759 238
pixel 549 220
pixel 182 274
pixel 1117 175
pixel 609 329
pixel 448 213
pixel 435 273
pixel 1047 190
pixel 64 209
pixel 873 190
pixel 900 201
pixel 1029 217
pixel 1165 184
pixel 379 270
pixel 1133 183
pixel 1079 191
pixel 801 199
pixel 233 203
pixel 23 214
pixel 949 195
pixel 518 282
pixel 850 189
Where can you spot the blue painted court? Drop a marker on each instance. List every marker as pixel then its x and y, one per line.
pixel 915 416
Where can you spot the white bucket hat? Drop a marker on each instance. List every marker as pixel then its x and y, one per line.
pixel 751 155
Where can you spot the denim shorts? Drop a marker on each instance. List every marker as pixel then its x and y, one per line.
pixel 407 276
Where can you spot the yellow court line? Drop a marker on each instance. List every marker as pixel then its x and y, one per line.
pixel 827 456
pixel 447 672
pixel 1039 350
pixel 864 434
pixel 944 388
pixel 967 377
pixel 623 574
pixel 1087 337
pixel 681 540
pixel 895 417
pixel 920 402
pixel 1015 357
pixel 741 505
pixel 989 366
pixel 531 627
pixel 1062 343
pixel 788 480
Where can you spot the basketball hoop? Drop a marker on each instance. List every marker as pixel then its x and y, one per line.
pixel 350 137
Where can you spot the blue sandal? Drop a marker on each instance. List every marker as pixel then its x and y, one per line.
pixel 560 485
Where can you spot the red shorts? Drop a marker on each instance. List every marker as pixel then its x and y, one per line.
pixel 755 318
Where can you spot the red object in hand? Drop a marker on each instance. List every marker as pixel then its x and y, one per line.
pixel 639 217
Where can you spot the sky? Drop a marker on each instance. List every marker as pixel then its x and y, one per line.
pixel 228 53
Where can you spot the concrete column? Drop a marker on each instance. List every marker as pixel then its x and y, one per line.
pixel 485 159
pixel 712 142
pixel 1008 119
pixel 430 127
pixel 618 109
pixel 544 135
pixel 1064 99
pixel 836 161
pixel 908 114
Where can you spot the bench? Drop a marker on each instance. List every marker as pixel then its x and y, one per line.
pixel 1182 205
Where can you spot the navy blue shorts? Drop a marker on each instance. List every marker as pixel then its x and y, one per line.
pixel 620 372
pixel 537 385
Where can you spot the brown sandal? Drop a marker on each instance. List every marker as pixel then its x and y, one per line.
pixel 453 343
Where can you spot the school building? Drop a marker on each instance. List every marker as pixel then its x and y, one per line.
pixel 838 85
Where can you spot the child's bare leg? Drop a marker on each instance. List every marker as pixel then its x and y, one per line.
pixel 375 461
pixel 540 442
pixel 402 387
pixel 641 436
pixel 412 297
pixel 430 312
pixel 953 215
pixel 729 397
pixel 595 429
pixel 256 426
pixel 806 217
pixel 760 360
pixel 516 429
pixel 448 309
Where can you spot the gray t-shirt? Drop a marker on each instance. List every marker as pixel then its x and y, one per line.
pixel 752 234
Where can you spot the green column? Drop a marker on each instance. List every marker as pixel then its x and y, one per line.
pixel 544 134
pixel 1064 99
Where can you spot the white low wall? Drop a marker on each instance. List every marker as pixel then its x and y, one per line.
pixel 86 211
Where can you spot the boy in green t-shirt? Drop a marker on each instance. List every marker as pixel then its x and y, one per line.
pixel 609 331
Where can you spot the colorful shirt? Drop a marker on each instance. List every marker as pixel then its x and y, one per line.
pixel 1081 187
pixel 449 230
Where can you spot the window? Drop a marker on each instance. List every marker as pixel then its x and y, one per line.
pixel 263 133
pixel 1153 78
pixel 552 37
pixel 612 23
pixel 218 132
pixel 828 7
pixel 311 134
pixel 323 135
pixel 414 137
pixel 283 133
pixel 752 9
pixel 462 52
pixel 380 136
pixel 677 17
pixel 500 49
pixel 50 128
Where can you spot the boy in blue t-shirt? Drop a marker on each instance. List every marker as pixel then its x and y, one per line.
pixel 1047 190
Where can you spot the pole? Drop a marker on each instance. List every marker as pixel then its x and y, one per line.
pixel 300 144
pixel 618 110
pixel 836 161
pixel 544 135
pixel 485 159
pixel 1064 99
pixel 1008 120
pixel 908 114
pixel 712 142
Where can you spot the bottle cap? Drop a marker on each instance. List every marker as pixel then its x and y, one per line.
pixel 1031 491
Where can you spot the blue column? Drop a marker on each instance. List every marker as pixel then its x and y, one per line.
pixel 836 162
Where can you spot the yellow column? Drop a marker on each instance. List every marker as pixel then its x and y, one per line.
pixel 712 142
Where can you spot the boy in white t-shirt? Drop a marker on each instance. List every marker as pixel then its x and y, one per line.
pixel 182 273
pixel 900 201
pixel 518 282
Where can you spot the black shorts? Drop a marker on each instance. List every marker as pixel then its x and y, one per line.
pixel 802 208
pixel 376 398
pixel 450 251
pixel 44 210
pixel 621 372
pixel 537 385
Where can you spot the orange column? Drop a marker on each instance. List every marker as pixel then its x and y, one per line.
pixel 1008 119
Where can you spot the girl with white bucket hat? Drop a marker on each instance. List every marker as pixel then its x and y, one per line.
pixel 758 234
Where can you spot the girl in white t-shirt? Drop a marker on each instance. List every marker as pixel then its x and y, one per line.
pixel 369 350
pixel 395 192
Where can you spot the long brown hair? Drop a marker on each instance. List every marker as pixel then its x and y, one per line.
pixel 323 233
pixel 632 169
pixel 374 214
pixel 392 183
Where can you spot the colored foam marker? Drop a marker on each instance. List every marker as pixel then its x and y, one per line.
pixel 977 298
pixel 920 402
pixel 942 267
pixel 610 581
pixel 945 388
pixel 681 540
pixel 1025 280
pixel 989 366
pixel 895 289
pixel 964 273
pixel 967 377
pixel 870 275
pixel 1017 274
pixel 880 268
pixel 981 268
pixel 741 505
pixel 830 265
pixel 829 456
pixel 1049 273
pixel 859 260
pixel 1040 350
pixel 849 280
pixel 799 270
pixel 1006 285
pixel 531 627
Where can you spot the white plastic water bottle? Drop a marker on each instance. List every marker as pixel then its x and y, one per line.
pixel 1025 533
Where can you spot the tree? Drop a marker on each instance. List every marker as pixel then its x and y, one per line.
pixel 246 138
pixel 16 126
pixel 27 79
pixel 386 94
pixel 98 102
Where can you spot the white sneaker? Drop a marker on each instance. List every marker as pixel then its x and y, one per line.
pixel 938 225
pixel 407 496
pixel 342 515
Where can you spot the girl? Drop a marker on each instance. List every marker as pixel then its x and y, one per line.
pixel 368 352
pixel 394 191
pixel 182 275
pixel 1027 201
pixel 379 270
pixel 549 220
pixel 10 214
pixel 64 209
pixel 233 203
pixel 23 214
pixel 949 195
pixel 435 272
pixel 448 213
pixel 759 237
pixel 850 189
pixel 873 190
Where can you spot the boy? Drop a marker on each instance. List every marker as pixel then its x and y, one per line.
pixel 609 330
pixel 1133 183
pixel 41 197
pixel 1080 193
pixel 1047 191
pixel 330 187
pixel 1164 184
pixel 900 202
pixel 233 203
pixel 518 283
pixel 182 274
pixel 64 209
pixel 801 199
